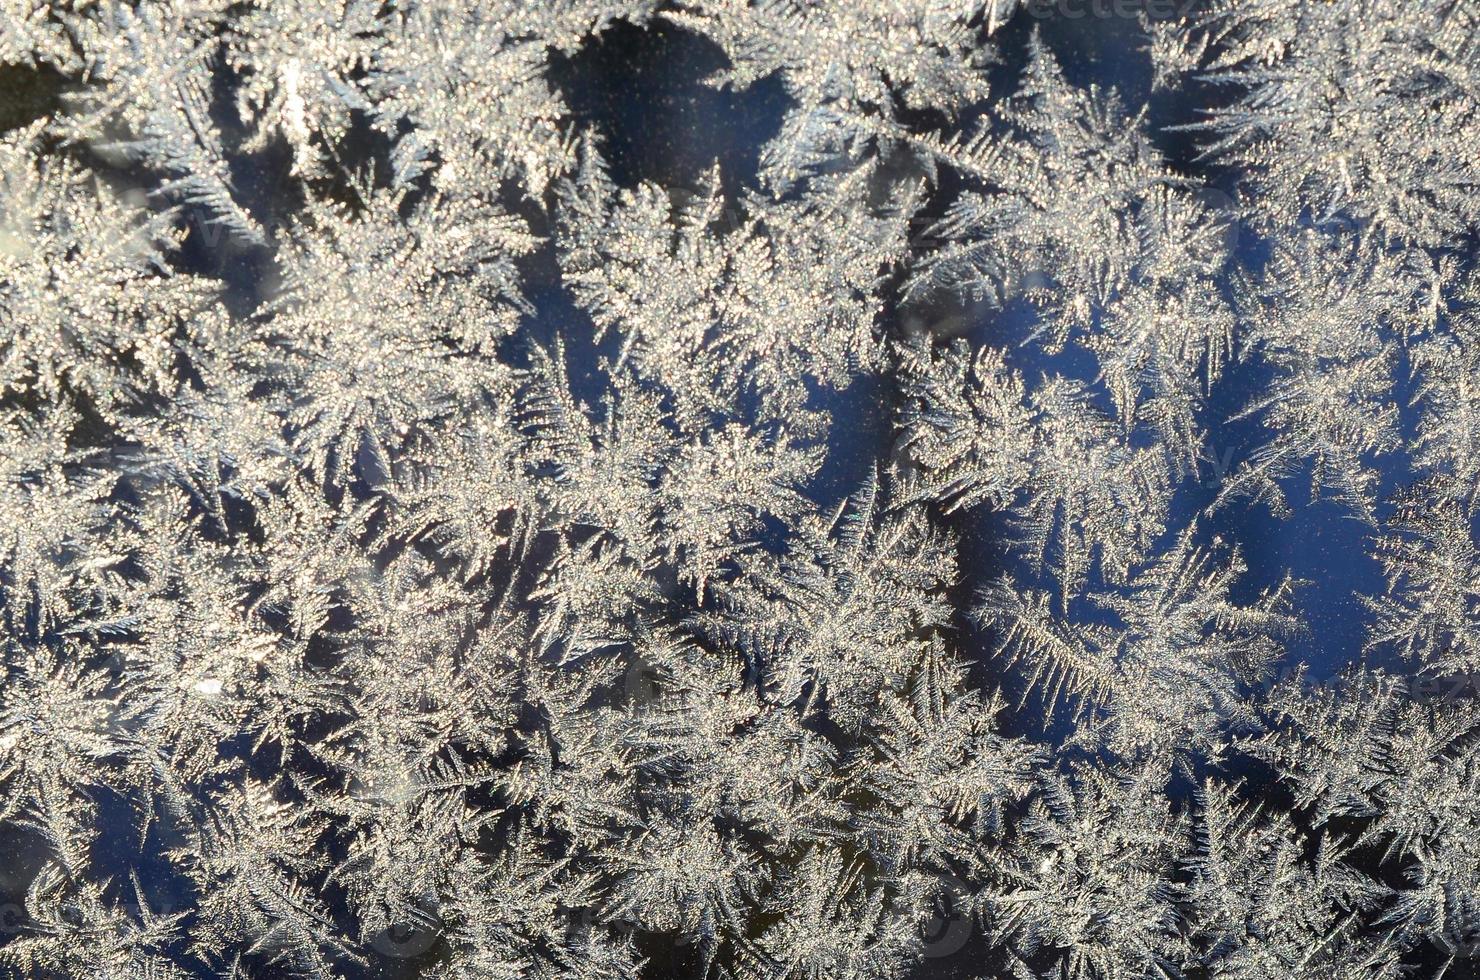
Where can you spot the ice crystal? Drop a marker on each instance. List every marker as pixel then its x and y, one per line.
pixel 974 505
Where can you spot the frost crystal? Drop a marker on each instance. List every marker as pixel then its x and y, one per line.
pixel 740 489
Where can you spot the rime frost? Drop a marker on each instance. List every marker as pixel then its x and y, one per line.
pixel 439 541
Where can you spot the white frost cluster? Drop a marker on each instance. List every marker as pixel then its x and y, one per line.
pixel 429 549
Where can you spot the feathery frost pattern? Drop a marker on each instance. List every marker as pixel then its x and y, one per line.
pixel 739 489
